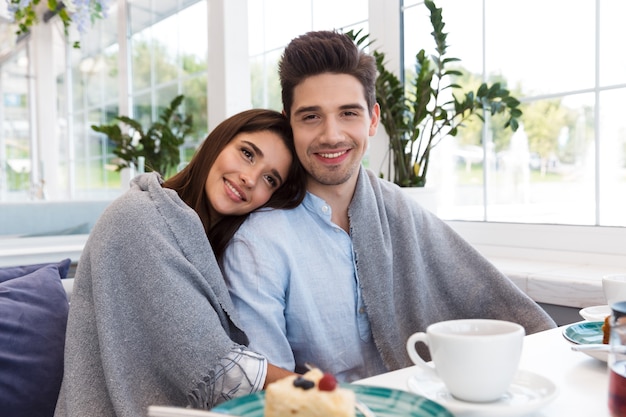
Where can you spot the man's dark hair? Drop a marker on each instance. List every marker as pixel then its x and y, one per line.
pixel 322 52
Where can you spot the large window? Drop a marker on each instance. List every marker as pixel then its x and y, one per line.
pixel 135 70
pixel 166 44
pixel 567 164
pixel 561 57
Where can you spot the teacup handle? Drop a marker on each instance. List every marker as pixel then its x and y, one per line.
pixel 415 357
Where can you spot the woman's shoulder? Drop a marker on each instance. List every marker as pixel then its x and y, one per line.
pixel 136 207
pixel 133 202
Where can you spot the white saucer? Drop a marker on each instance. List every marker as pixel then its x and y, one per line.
pixel 528 392
pixel 595 313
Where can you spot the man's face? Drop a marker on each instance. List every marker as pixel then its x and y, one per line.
pixel 331 127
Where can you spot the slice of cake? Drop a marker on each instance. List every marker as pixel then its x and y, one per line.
pixel 310 395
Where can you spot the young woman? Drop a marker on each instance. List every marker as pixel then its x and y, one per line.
pixel 151 321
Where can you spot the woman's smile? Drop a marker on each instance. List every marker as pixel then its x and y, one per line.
pixel 236 192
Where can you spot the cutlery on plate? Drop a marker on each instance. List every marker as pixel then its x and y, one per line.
pixel 599 347
pixel 167 411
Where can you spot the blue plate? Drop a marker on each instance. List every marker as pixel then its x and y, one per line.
pixel 585 333
pixel 384 402
pixel 589 332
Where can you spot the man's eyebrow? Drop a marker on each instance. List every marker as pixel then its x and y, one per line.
pixel 306 109
pixel 259 152
pixel 349 106
pixel 352 106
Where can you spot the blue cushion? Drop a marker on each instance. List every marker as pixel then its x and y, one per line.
pixel 18 271
pixel 33 319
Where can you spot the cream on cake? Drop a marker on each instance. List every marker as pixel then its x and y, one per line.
pixel 313 394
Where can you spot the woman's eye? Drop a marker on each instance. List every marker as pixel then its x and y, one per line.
pixel 271 180
pixel 247 153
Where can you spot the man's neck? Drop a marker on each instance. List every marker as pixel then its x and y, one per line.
pixel 338 197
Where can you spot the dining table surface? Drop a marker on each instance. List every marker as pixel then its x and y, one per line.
pixel 581 381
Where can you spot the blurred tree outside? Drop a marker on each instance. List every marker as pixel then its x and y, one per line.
pixel 553 129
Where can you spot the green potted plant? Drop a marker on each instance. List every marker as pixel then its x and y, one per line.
pixel 417 118
pixel 158 145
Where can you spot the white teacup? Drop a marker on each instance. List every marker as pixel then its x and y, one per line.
pixel 475 358
pixel 614 287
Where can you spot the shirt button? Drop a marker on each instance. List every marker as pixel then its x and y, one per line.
pixel 362 310
pixel 325 209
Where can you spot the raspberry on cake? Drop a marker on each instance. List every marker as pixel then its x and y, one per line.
pixel 310 395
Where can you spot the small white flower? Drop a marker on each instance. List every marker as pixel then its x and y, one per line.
pixel 70 6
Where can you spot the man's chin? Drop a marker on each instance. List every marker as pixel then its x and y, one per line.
pixel 330 178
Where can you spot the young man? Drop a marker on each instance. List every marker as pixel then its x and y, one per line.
pixel 344 279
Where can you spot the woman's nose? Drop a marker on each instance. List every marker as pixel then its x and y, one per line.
pixel 249 178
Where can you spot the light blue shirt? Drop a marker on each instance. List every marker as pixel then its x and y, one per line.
pixel 293 280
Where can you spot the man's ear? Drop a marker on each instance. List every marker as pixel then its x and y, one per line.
pixel 375 119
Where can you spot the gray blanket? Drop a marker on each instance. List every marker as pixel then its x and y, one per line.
pixel 149 316
pixel 415 270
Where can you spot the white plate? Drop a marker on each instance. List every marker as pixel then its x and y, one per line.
pixel 528 392
pixel 595 313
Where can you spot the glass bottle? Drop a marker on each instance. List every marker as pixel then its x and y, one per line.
pixel 617 360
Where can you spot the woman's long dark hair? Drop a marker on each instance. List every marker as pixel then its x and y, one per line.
pixel 189 183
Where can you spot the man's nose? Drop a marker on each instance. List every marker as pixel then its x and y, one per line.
pixel 332 130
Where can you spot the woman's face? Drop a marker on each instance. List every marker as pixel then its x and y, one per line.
pixel 247 172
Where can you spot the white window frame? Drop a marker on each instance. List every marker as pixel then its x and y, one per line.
pixel 579 245
pixel 559 243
